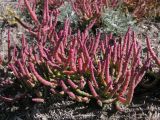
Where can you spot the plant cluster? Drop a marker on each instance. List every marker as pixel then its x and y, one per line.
pixel 154 74
pixel 143 8
pixel 87 9
pixel 152 53
pixel 81 64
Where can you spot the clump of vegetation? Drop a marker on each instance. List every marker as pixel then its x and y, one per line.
pixel 80 64
pixel 143 8
pixel 152 76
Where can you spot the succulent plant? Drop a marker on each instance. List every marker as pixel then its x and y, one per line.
pixel 152 75
pixel 141 9
pixel 87 9
pixel 79 64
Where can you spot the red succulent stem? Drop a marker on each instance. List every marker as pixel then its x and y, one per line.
pixel 90 26
pixel 96 43
pixel 82 82
pixel 42 53
pixel 42 80
pixel 99 67
pixel 108 87
pixel 93 91
pixel 103 47
pixel 130 91
pixel 119 61
pixel 128 57
pixel 152 52
pixel 107 65
pixel 21 67
pixel 126 39
pixel 72 84
pixel 69 72
pixel 80 64
pixel 114 58
pixel 13 68
pixel 45 12
pixel 142 71
pixel 122 99
pixel 53 65
pixel 39 100
pixel 71 60
pixel 93 76
pixel 85 51
pixel 32 13
pixel 66 90
pixel 126 83
pixel 114 90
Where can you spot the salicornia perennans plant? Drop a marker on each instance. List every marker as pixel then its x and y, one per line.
pixel 153 72
pixel 82 65
pixel 143 8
